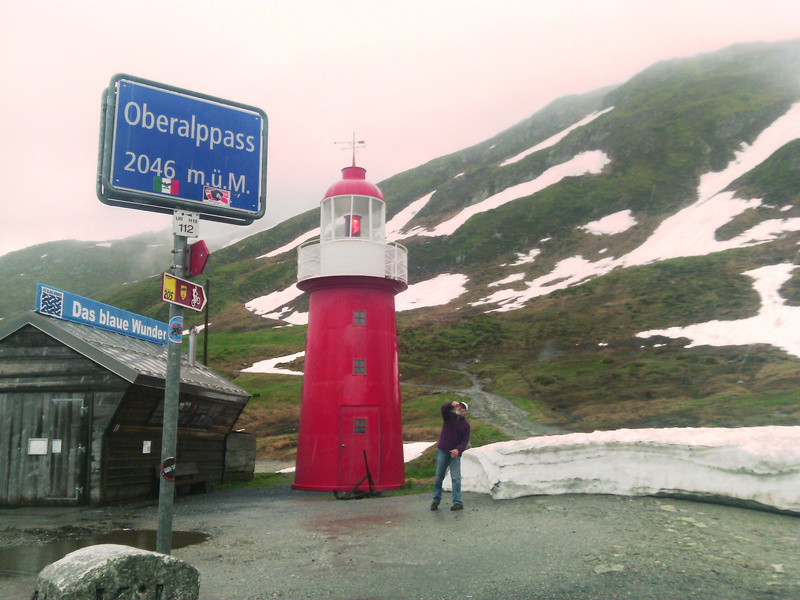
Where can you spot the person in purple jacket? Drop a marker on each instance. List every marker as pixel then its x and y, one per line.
pixel 452 442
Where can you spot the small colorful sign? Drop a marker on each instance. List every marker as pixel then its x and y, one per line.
pixel 53 302
pixel 217 196
pixel 163 185
pixel 176 329
pixel 168 468
pixel 198 256
pixel 185 223
pixel 182 292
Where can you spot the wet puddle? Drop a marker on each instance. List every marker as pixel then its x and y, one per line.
pixel 24 561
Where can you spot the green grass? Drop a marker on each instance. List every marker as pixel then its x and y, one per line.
pixel 260 480
pixel 268 389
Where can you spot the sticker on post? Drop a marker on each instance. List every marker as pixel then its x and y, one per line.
pixel 176 329
pixel 168 469
pixel 217 196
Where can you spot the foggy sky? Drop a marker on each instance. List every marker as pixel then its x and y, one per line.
pixel 414 79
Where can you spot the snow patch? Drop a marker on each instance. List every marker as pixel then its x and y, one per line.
pixel 756 464
pixel 293 244
pixel 433 292
pixel 582 164
pixel 525 258
pixel 568 272
pixel 510 279
pixel 395 225
pixel 611 224
pixel 265 305
pixel 412 450
pixel 271 365
pixel 553 140
pixel 775 324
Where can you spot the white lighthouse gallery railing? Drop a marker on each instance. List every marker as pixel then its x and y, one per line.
pixel 310 261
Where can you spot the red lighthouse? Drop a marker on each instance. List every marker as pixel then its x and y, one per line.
pixel 351 386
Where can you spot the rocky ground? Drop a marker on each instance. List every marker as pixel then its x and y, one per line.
pixel 277 542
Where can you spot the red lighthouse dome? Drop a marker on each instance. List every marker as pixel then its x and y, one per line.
pixel 354 182
pixel 350 413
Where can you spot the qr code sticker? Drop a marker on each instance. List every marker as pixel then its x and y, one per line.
pixel 52 302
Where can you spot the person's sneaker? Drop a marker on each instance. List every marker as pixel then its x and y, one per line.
pixel 434 506
pixel 457 507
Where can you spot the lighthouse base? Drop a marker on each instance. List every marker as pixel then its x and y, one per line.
pixel 350 420
pixel 360 488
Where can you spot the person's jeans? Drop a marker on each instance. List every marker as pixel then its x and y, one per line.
pixel 444 460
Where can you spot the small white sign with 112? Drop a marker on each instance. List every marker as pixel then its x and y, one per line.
pixel 185 223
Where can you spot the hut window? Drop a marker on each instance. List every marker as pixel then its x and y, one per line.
pixel 359 317
pixel 359 367
pixel 360 426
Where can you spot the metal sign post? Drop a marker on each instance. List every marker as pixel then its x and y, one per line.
pixel 169 150
pixel 169 432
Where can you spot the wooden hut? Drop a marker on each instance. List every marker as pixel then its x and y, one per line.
pixel 81 415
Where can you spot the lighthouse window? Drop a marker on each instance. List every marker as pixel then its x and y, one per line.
pixel 359 426
pixel 359 317
pixel 359 367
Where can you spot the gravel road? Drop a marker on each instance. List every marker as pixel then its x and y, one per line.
pixel 280 543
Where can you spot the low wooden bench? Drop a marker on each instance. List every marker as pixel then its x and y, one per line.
pixel 187 476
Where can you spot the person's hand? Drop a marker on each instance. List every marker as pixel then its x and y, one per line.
pixel 454 453
pixel 454 404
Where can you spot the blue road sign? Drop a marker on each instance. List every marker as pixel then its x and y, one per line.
pixel 70 307
pixel 165 148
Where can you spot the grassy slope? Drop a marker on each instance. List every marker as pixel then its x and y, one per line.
pixel 669 125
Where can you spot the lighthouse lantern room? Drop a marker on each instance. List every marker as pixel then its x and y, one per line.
pixel 350 416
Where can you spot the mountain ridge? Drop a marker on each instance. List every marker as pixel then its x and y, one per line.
pixel 571 356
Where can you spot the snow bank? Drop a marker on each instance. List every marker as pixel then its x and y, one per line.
pixel 756 466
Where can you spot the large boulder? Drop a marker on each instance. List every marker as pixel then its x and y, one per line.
pixel 107 571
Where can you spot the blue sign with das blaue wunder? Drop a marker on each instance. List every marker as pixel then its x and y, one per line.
pixel 70 307
pixel 174 149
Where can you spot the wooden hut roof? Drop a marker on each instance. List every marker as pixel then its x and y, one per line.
pixel 137 361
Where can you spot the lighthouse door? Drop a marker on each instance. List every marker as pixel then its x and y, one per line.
pixel 359 431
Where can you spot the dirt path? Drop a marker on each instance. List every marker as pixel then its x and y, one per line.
pixel 496 410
